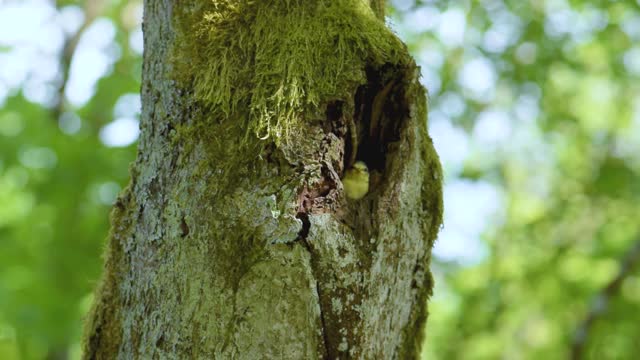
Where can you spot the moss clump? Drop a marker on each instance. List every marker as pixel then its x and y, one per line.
pixel 270 64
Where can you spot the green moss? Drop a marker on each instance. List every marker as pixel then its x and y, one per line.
pixel 102 328
pixel 271 64
pixel 432 197
pixel 432 213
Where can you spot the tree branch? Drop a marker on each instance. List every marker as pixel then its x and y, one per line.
pixel 600 302
pixel 92 9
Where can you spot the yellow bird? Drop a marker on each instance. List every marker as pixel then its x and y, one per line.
pixel 356 181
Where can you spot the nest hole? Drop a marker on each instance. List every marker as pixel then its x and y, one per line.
pixel 380 110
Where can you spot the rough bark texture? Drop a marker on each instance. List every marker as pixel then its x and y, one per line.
pixel 228 246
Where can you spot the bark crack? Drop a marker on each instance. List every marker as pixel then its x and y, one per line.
pixel 303 238
pixel 325 338
pixel 304 232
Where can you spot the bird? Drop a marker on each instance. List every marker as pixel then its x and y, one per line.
pixel 356 181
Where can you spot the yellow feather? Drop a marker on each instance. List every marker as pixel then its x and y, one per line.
pixel 356 181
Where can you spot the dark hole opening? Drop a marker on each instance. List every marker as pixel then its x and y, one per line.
pixel 380 109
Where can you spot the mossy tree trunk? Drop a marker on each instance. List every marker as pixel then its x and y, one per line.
pixel 234 239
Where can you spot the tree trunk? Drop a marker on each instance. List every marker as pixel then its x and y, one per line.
pixel 234 239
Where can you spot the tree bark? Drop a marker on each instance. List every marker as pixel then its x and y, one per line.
pixel 229 245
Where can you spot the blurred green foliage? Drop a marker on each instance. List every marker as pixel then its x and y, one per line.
pixel 57 183
pixel 558 277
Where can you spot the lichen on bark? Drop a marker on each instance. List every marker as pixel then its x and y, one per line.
pixel 239 242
